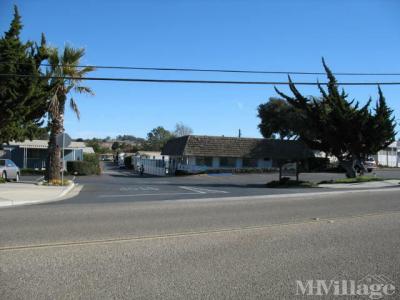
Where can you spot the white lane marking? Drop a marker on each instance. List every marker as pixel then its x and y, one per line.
pixel 138 188
pixel 193 189
pixel 202 190
pixel 138 195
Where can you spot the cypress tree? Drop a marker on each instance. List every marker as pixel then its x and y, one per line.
pixel 340 127
pixel 22 99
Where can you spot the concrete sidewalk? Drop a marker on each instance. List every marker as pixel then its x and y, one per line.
pixel 13 194
pixel 367 185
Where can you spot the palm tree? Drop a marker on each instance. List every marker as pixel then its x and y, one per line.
pixel 65 77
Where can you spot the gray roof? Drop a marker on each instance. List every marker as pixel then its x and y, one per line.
pixel 43 144
pixel 216 146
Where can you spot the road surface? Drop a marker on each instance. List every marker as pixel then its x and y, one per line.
pixel 155 247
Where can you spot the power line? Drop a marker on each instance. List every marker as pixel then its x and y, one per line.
pixel 173 69
pixel 189 81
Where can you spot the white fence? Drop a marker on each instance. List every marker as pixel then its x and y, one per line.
pixel 156 167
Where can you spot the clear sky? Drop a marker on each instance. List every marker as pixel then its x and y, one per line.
pixel 284 35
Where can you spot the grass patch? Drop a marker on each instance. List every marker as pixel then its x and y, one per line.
pixel 56 182
pixel 289 183
pixel 2 180
pixel 353 180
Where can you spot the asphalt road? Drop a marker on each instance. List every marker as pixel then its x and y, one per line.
pixel 98 247
pixel 118 185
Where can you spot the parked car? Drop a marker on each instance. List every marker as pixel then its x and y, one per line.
pixel 370 164
pixel 9 170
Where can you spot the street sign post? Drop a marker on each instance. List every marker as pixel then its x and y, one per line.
pixel 63 140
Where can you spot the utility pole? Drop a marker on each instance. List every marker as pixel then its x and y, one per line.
pixel 240 133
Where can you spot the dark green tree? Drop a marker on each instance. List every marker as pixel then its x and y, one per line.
pixel 279 119
pixel 157 138
pixel 23 100
pixel 115 146
pixel 340 127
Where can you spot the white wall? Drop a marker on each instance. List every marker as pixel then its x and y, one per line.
pixel 388 157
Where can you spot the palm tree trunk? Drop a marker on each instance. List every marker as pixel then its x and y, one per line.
pixel 53 168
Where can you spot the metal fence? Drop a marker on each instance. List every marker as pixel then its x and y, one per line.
pixel 158 167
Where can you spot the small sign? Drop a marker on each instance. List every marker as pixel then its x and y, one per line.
pixel 63 140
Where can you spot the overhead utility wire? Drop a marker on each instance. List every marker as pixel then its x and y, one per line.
pixel 188 81
pixel 225 70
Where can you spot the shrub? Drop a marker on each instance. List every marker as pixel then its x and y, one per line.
pixel 353 180
pixel 2 180
pixel 318 163
pixel 128 162
pixel 89 166
pixel 92 158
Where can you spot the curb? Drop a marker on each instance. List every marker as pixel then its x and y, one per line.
pixel 66 191
pixel 286 196
pixel 59 197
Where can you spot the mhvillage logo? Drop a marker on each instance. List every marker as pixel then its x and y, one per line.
pixel 371 286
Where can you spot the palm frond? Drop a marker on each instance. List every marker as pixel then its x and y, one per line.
pixel 74 107
pixel 70 60
pixel 53 59
pixel 62 66
pixel 83 90
pixel 82 72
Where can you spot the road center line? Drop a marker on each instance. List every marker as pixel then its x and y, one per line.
pixel 189 233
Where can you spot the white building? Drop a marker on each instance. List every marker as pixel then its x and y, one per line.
pixel 390 156
pixel 194 154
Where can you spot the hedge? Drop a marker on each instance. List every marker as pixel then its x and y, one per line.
pixel 128 162
pixel 89 166
pixel 318 164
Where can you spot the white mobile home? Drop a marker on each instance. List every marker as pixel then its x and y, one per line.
pixel 194 154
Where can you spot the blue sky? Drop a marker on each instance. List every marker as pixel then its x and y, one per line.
pixel 352 35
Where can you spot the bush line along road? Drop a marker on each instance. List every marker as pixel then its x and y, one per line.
pixel 146 245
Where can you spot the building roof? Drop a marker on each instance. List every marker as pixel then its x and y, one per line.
pixel 88 150
pixel 148 153
pixel 43 144
pixel 217 146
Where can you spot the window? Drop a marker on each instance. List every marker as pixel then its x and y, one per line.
pixel 227 162
pixel 10 163
pixel 249 163
pixel 34 153
pixel 204 161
